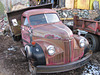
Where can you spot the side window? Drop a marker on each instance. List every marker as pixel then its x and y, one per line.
pixel 25 21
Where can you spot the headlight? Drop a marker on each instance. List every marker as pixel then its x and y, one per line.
pixel 82 43
pixel 51 50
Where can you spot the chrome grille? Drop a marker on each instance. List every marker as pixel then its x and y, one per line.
pixel 58 59
pixel 68 50
pixel 66 44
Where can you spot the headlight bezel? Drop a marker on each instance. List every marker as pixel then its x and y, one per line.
pixel 51 50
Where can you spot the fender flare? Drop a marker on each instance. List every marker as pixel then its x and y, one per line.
pixel 36 53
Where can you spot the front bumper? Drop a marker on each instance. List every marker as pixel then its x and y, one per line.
pixel 65 67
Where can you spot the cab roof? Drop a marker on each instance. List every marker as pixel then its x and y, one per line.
pixel 38 11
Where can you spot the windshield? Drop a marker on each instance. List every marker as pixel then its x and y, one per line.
pixel 43 19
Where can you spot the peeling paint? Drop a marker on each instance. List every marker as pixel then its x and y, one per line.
pixel 46 35
pixel 50 36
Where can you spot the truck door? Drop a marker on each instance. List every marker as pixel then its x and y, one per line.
pixel 25 31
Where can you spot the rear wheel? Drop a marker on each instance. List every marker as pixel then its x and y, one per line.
pixel 93 42
pixel 17 38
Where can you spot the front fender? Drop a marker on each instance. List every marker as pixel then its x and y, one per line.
pixel 77 38
pixel 37 55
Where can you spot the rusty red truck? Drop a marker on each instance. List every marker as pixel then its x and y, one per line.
pixel 50 46
pixel 92 31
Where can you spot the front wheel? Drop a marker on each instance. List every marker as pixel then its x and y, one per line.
pixel 93 42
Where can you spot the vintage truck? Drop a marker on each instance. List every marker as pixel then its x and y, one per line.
pixel 92 31
pixel 50 46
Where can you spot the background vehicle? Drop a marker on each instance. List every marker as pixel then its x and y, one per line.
pixel 50 46
pixel 92 29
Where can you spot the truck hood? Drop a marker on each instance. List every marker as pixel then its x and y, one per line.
pixel 53 31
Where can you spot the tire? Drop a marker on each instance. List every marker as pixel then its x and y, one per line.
pixel 86 50
pixel 93 42
pixel 17 38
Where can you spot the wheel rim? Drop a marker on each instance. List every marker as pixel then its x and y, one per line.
pixel 90 42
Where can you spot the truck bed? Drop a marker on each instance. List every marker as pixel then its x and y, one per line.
pixel 87 25
pixel 16 30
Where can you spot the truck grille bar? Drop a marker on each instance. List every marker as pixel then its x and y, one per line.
pixel 58 59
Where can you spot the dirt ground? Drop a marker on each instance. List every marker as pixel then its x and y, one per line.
pixel 12 61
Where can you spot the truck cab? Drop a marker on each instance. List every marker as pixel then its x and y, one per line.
pixel 50 46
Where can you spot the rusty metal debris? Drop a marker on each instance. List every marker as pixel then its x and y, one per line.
pixel 70 13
